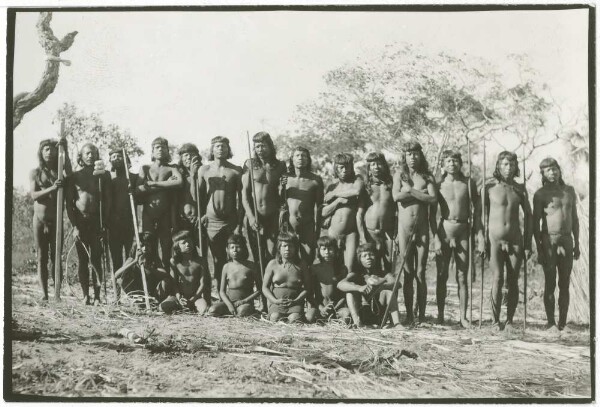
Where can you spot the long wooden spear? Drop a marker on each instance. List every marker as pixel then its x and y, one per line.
pixel 484 224
pixel 470 244
pixel 255 210
pixel 524 243
pixel 59 217
pixel 135 230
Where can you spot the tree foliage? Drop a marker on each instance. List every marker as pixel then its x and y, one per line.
pixel 81 128
pixel 437 99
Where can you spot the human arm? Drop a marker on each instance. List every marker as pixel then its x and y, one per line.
pixel 575 225
pixel 401 189
pixel 67 168
pixel 106 196
pixel 223 291
pixel 239 205
pixel 434 226
pixel 429 197
pixel 174 181
pixel 527 224
pixel 70 196
pixel 348 285
pixel 386 282
pixel 267 282
pixel 353 191
pixel 257 283
pixel 538 213
pixel 126 266
pixel 319 196
pixel 37 193
pixel 246 196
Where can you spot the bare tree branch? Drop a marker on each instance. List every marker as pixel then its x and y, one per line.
pixel 26 101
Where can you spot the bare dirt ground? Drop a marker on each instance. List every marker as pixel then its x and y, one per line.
pixel 71 350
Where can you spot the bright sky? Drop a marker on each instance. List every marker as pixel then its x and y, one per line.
pixel 189 76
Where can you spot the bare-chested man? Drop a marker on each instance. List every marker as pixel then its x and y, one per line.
pixel 187 211
pixel 342 202
pixel 156 186
pixel 44 183
pixel 502 201
pixel 380 216
pixel 83 208
pixel 120 224
pixel 557 240
pixel 221 194
pixel 415 191
pixel 304 194
pixel 452 240
pixel 267 170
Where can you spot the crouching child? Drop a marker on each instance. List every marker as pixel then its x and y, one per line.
pixel 329 302
pixel 192 280
pixel 286 281
pixel 160 284
pixel 369 289
pixel 238 280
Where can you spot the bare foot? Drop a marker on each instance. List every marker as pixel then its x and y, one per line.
pixel 465 324
pixel 552 330
pixel 566 330
pixel 96 302
pixel 44 299
pixel 496 327
pixel 408 322
pixel 86 300
pixel 509 329
pixel 440 320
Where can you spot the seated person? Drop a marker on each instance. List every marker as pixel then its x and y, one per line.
pixel 238 280
pixel 369 289
pixel 192 280
pixel 160 285
pixel 329 302
pixel 286 281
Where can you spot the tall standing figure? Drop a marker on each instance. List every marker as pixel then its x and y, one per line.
pixel 154 189
pixel 83 209
pixel 267 170
pixel 220 184
pixel 120 224
pixel 415 191
pixel 189 163
pixel 454 231
pixel 503 198
pixel 377 223
pixel 343 201
pixel 304 195
pixel 44 183
pixel 556 231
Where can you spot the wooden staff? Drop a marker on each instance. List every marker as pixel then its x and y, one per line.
pixel 524 243
pixel 470 244
pixel 397 281
pixel 198 206
pixel 251 172
pixel 59 217
pixel 135 230
pixel 484 235
pixel 99 172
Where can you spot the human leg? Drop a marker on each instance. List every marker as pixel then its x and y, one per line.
pixel 513 267
pixel 41 249
pixel 422 246
pixel 354 302
pixel 442 263
pixel 565 265
pixel 497 268
pixel 549 266
pixel 461 259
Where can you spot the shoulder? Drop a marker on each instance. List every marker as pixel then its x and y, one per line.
pixel 34 173
pixel 332 186
pixel 273 263
pixel 234 167
pixel 203 169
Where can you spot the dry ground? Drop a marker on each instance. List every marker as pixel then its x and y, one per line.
pixel 70 350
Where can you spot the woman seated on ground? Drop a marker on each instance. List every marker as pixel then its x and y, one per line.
pixel 286 281
pixel 159 282
pixel 330 302
pixel 238 280
pixel 369 289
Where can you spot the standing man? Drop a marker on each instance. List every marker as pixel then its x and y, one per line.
pixel 221 197
pixel 454 231
pixel 555 206
pixel 380 217
pixel 187 212
pixel 502 201
pixel 43 183
pixel 343 201
pixel 83 209
pixel 415 191
pixel 120 224
pixel 304 193
pixel 155 186
pixel 267 170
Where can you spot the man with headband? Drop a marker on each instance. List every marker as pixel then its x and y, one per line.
pixel 83 208
pixel 44 183
pixel 342 202
pixel 415 191
pixel 221 198
pixel 503 199
pixel 267 171
pixel 120 224
pixel 155 189
pixel 557 238
pixel 189 163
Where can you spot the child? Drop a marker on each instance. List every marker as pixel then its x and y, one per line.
pixel 192 280
pixel 159 282
pixel 288 278
pixel 238 280
pixel 329 301
pixel 369 289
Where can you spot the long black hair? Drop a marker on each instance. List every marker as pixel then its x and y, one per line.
pixel 550 162
pixel 423 166
pixel 386 175
pixel 511 157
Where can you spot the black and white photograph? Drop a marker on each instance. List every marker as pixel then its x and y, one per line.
pixel 300 203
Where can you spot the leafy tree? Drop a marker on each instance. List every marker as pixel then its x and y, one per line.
pixel 439 100
pixel 82 128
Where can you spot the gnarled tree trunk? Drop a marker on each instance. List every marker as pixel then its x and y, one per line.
pixel 27 101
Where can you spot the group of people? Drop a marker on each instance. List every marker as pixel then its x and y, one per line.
pixel 318 252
